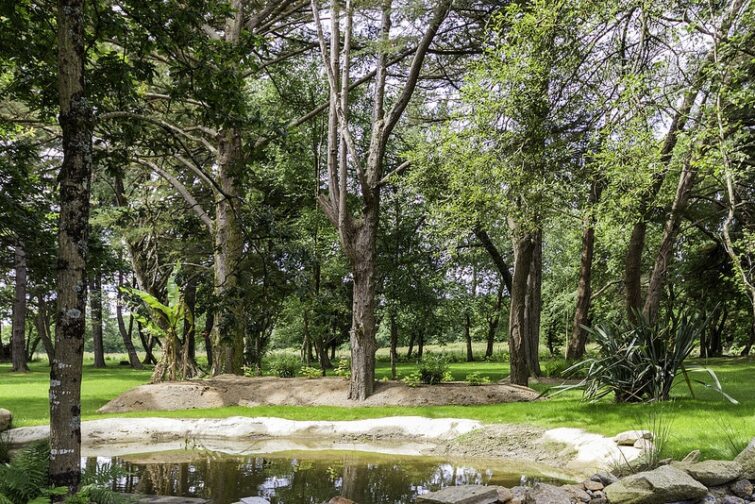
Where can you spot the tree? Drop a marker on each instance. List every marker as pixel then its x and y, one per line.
pixel 358 234
pixel 65 373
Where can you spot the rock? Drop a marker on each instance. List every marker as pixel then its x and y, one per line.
pixel 577 493
pixel 604 477
pixel 665 484
pixel 542 493
pixel 340 499
pixel 644 444
pixel 747 460
pixel 714 472
pixel 467 494
pixel 708 499
pixel 5 419
pixel 730 499
pixel 164 499
pixel 629 438
pixel 593 485
pixel 742 488
pixel 692 457
pixel 254 500
pixel 504 494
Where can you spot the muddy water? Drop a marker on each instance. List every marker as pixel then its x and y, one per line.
pixel 306 477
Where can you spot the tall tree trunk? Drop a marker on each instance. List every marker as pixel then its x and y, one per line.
pixel 363 324
pixel 95 304
pixel 43 328
pixel 209 321
pixel 412 337
pixel 576 348
pixel 133 358
pixel 394 344
pixel 228 331
pixel 670 231
pixel 148 343
pixel 524 247
pixel 190 298
pixel 534 305
pixel 18 334
pixel 468 336
pixel 75 174
pixel 494 321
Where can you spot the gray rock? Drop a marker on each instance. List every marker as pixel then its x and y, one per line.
pixel 604 477
pixel 254 500
pixel 665 484
pixel 629 438
pixel 467 494
pixel 6 418
pixel 747 460
pixel 708 499
pixel 714 472
pixel 692 457
pixel 730 499
pixel 504 494
pixel 165 499
pixel 742 488
pixel 542 493
pixel 593 485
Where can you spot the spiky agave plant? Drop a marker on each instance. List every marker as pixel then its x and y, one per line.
pixel 641 361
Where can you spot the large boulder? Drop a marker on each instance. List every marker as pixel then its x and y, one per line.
pixel 714 472
pixel 467 494
pixel 747 460
pixel 5 419
pixel 665 484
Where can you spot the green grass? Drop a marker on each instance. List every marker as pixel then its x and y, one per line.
pixel 706 422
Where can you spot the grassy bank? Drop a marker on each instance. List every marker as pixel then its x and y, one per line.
pixel 705 422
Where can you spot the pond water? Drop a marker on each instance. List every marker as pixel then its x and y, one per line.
pixel 305 477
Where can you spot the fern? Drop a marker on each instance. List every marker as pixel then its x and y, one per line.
pixel 25 478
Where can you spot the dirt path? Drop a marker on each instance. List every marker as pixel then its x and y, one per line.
pixel 231 390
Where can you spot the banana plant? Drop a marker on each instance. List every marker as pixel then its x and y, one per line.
pixel 166 321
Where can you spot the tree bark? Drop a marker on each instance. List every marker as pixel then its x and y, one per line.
pixel 534 305
pixel 133 358
pixel 190 298
pixel 494 321
pixel 394 344
pixel 95 305
pixel 468 336
pixel 670 231
pixel 524 248
pixel 75 173
pixel 18 333
pixel 576 348
pixel 43 328
pixel 228 331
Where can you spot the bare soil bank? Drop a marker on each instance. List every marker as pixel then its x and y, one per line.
pixel 229 390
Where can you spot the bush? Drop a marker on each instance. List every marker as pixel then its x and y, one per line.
pixel 476 378
pixel 343 369
pixel 639 362
pixel 413 379
pixel 311 372
pixel 556 368
pixel 285 366
pixel 434 369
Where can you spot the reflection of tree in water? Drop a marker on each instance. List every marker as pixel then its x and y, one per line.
pixel 295 480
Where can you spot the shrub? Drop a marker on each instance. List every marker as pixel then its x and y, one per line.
pixel 476 378
pixel 343 369
pixel 434 369
pixel 285 366
pixel 310 372
pixel 413 379
pixel 639 362
pixel 556 368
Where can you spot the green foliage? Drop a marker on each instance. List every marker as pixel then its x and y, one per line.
pixel 434 369
pixel 640 362
pixel 310 372
pixel 25 477
pixel 343 369
pixel 476 378
pixel 284 365
pixel 413 379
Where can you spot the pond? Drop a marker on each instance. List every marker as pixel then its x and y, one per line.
pixel 305 477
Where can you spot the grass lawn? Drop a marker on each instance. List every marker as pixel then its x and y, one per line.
pixel 707 422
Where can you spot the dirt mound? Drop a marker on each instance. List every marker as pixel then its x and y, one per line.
pixel 231 390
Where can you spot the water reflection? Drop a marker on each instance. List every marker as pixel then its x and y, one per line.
pixel 302 479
